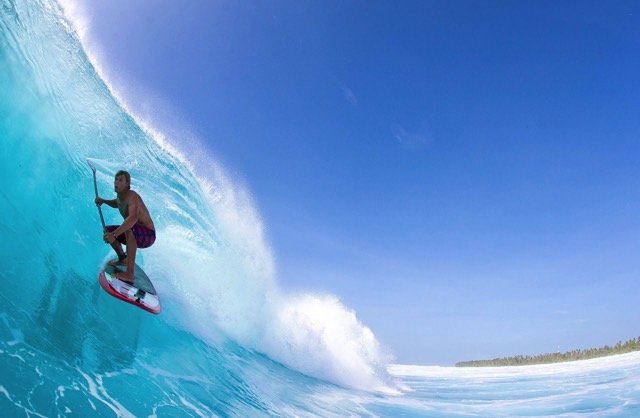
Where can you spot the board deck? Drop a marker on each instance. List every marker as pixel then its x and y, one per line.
pixel 142 294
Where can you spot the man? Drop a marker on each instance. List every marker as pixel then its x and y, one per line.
pixel 137 230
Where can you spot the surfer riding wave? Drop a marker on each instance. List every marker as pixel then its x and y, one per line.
pixel 137 230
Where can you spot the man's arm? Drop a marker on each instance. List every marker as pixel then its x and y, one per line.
pixel 112 202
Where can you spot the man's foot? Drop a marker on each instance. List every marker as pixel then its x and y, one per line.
pixel 124 276
pixel 121 261
pixel 118 262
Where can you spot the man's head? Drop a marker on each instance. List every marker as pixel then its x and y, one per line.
pixel 122 181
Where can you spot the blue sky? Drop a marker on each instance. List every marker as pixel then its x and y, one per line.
pixel 463 174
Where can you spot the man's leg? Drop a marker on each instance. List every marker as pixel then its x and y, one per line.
pixel 132 246
pixel 117 247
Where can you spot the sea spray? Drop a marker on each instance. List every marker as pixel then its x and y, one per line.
pixel 318 335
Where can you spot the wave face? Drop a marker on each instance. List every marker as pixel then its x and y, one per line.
pixel 229 342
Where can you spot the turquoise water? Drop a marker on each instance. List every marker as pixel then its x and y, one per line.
pixel 229 341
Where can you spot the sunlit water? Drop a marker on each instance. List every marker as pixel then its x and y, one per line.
pixel 229 341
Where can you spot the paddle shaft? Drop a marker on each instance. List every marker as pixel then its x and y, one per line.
pixel 95 186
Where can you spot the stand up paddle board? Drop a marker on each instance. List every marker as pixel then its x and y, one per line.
pixel 141 294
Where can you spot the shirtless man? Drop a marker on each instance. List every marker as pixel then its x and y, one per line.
pixel 137 230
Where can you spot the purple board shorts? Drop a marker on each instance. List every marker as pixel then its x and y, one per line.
pixel 144 237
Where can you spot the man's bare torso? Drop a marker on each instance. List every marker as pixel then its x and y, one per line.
pixel 144 219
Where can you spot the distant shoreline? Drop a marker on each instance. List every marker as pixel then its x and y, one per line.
pixel 550 358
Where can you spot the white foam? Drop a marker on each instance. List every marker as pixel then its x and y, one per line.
pixel 324 338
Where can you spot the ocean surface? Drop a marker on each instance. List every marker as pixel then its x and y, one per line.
pixel 229 342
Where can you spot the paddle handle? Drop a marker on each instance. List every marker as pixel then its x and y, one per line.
pixel 95 186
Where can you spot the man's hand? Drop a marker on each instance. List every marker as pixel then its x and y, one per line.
pixel 109 237
pixel 99 201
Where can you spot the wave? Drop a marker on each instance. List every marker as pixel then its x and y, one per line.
pixel 212 262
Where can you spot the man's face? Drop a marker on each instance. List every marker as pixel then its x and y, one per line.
pixel 121 184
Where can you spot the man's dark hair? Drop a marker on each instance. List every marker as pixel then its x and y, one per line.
pixel 125 174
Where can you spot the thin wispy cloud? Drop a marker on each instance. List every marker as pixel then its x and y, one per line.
pixel 408 139
pixel 350 96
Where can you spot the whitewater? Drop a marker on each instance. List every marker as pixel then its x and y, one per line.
pixel 229 342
